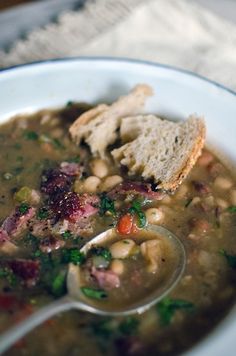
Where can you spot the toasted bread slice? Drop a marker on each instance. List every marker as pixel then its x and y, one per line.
pixel 161 150
pixel 98 126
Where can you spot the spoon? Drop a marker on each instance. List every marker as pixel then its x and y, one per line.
pixel 76 300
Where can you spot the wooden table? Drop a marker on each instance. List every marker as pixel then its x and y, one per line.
pixel 4 4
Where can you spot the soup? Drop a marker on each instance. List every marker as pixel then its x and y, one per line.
pixel 55 197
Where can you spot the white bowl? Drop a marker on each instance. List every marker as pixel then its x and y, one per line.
pixel 177 94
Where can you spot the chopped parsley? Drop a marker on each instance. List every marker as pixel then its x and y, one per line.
pixel 44 138
pixel 189 201
pixel 42 214
pixel 8 275
pixel 106 204
pixel 232 209
pixel 101 251
pixel 67 235
pixel 231 259
pixel 129 326
pixel 136 209
pixel 74 159
pixel 73 255
pixel 31 135
pixel 168 306
pixel 70 103
pixel 58 287
pixel 23 208
pixel 94 293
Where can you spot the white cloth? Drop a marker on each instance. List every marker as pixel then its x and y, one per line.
pixel 175 32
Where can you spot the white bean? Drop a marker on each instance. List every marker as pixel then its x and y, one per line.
pixel 223 183
pixel 154 215
pixel 110 182
pixel 117 267
pixel 153 252
pixel 91 184
pixel 222 203
pixel 122 249
pixel 99 168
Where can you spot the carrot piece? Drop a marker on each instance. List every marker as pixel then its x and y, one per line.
pixel 126 224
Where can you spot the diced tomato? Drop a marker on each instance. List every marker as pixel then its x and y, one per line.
pixel 127 224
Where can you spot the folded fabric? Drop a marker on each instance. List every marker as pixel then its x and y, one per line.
pixel 175 32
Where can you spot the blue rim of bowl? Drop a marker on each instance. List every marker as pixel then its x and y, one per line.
pixel 124 60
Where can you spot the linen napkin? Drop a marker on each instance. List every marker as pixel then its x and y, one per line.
pixel 175 32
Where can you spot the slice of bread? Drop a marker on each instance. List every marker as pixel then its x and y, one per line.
pixel 98 126
pixel 161 150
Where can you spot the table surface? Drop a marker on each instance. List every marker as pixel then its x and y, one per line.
pixel 4 4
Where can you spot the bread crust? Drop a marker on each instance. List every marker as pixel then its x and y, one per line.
pixel 184 170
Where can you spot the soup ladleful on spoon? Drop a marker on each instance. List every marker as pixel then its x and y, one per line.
pixel 76 300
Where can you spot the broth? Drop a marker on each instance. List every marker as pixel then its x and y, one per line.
pixel 37 187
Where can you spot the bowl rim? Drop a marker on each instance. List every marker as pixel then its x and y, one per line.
pixel 121 60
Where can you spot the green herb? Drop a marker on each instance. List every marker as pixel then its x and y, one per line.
pixel 129 326
pixel 103 328
pixel 23 208
pixel 17 170
pixel 7 176
pixel 189 201
pixel 231 259
pixel 42 214
pixel 57 144
pixel 37 253
pixel 66 235
pixel 31 240
pixel 73 255
pixel 106 204
pixel 69 104
pixel 17 146
pixel 167 308
pixel 53 141
pixel 19 158
pixel 232 209
pixel 136 209
pixel 59 284
pixel 7 274
pixel 94 293
pixel 73 160
pixel 31 135
pixel 101 251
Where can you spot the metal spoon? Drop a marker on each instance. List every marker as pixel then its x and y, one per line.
pixel 75 300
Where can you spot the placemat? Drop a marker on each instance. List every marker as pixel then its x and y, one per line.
pixel 175 32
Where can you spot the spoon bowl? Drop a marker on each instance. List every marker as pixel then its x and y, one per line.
pixel 76 300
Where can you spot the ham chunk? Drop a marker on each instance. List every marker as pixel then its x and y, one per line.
pixel 71 168
pixel 136 188
pixel 27 270
pixel 17 222
pixel 73 207
pixel 6 246
pixel 106 279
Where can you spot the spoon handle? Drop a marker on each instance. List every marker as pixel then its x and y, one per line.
pixel 11 336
